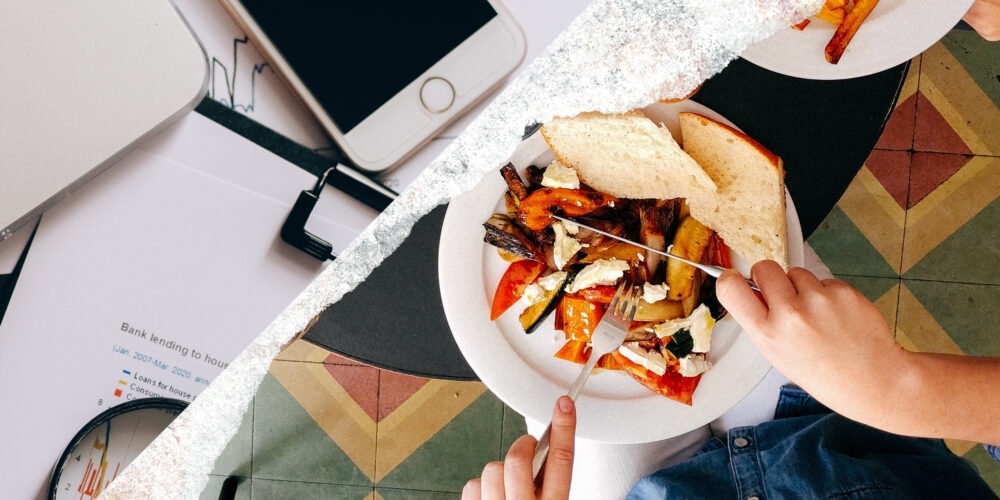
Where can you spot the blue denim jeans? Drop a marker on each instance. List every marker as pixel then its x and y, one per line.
pixel 809 452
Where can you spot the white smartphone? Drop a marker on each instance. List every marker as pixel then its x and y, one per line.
pixel 383 77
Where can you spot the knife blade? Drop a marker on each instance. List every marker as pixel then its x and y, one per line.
pixel 713 271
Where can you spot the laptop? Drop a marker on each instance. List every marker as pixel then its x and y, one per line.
pixel 81 84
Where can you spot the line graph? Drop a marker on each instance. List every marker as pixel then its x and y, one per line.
pixel 230 74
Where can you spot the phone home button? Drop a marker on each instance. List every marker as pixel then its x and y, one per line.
pixel 437 94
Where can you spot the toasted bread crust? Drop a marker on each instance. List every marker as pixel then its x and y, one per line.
pixel 749 211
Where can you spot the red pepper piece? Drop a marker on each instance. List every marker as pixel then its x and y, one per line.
pixel 518 275
pixel 536 210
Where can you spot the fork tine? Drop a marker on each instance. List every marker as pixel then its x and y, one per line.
pixel 625 299
pixel 616 300
pixel 633 305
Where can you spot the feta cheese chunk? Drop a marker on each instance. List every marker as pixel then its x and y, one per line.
pixel 535 292
pixel 654 293
pixel 551 281
pixel 699 324
pixel 558 175
pixel 650 360
pixel 564 247
pixel 600 272
pixel 693 364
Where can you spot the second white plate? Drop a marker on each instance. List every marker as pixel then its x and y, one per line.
pixel 895 32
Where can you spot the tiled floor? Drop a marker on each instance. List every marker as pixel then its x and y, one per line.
pixel 917 232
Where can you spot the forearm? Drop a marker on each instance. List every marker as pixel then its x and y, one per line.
pixel 941 395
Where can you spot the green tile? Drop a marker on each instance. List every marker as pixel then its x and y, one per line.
pixel 267 489
pixel 288 445
pixel 968 313
pixel 235 459
pixel 456 453
pixel 975 243
pixel 845 250
pixel 979 58
pixel 397 494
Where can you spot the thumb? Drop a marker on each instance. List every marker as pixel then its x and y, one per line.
pixel 745 305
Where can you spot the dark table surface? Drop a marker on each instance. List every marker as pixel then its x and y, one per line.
pixel 823 130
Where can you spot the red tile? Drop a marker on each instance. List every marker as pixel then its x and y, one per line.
pixel 898 133
pixel 394 390
pixel 929 170
pixel 892 169
pixel 932 133
pixel 360 382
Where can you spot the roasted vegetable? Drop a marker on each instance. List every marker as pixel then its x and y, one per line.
pixel 536 210
pixel 534 315
pixel 517 276
pixel 690 242
pixel 515 185
pixel 502 233
pixel 661 310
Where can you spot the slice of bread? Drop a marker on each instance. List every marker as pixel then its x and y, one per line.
pixel 627 155
pixel 749 209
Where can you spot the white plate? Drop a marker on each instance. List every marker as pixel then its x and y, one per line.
pixel 521 370
pixel 894 32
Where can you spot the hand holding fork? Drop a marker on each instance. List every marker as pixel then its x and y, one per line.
pixel 608 336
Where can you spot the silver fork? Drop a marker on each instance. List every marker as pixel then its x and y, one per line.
pixel 608 336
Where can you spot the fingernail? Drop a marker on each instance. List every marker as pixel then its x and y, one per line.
pixel 565 404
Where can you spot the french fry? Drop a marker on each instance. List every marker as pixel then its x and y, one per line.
pixel 847 29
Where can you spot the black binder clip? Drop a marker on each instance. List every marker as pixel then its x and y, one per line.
pixel 293 231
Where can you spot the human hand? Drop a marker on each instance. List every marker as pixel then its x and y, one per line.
pixel 511 479
pixel 823 335
pixel 984 17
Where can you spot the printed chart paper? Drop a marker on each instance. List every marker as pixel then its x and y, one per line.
pixel 147 282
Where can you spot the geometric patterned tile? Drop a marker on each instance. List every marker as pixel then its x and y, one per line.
pixel 875 212
pixel 455 454
pixel 932 132
pixel 952 234
pixel 847 251
pixel 928 171
pixel 420 419
pixel 966 313
pixel 968 194
pixel 288 445
pixel 917 328
pixel 893 170
pixel 979 58
pixel 959 100
pixel 309 389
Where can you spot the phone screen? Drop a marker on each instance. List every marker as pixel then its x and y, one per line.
pixel 353 56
